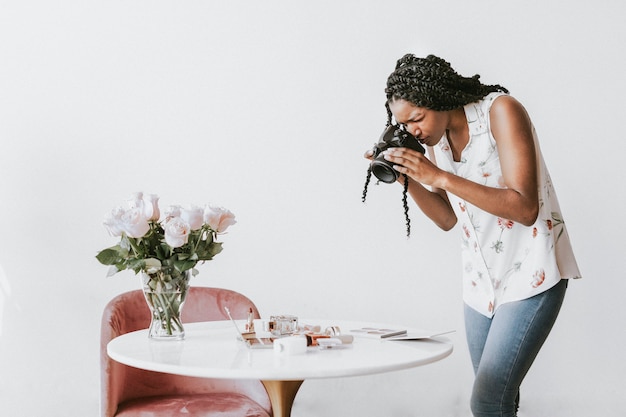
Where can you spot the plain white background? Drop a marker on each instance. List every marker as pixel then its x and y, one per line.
pixel 266 108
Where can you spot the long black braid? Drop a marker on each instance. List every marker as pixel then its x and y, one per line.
pixel 431 83
pixel 404 199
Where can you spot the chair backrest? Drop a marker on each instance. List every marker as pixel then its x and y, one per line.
pixel 129 311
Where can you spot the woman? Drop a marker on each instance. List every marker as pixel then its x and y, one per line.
pixel 483 168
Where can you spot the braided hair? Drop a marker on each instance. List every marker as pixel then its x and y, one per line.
pixel 431 83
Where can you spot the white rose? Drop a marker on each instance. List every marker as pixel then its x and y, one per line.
pixel 194 216
pixel 134 223
pixel 171 212
pixel 113 222
pixel 218 218
pixel 176 232
pixel 136 200
pixel 151 207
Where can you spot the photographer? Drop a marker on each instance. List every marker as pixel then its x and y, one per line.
pixel 483 169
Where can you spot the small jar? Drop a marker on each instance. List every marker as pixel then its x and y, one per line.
pixel 283 325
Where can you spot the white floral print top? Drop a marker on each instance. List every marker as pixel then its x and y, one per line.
pixel 504 261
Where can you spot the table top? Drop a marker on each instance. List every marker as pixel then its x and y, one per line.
pixel 212 350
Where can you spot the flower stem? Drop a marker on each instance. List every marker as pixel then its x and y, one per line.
pixel 165 294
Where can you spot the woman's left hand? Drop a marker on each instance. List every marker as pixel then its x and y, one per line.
pixel 414 164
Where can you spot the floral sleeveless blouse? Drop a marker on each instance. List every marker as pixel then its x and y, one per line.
pixel 504 261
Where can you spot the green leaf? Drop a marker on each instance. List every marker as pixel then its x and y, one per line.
pixel 183 266
pixel 136 264
pixel 165 250
pixel 215 248
pixel 152 264
pixel 109 256
pixel 182 256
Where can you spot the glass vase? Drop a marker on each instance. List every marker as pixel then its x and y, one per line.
pixel 165 291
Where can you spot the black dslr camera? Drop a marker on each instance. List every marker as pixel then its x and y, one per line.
pixel 393 137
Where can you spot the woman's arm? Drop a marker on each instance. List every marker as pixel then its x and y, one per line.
pixel 512 130
pixel 434 203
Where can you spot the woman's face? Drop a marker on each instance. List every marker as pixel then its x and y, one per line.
pixel 427 125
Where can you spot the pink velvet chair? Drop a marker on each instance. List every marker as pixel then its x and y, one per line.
pixel 132 392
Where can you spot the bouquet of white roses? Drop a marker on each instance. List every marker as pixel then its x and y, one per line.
pixel 184 237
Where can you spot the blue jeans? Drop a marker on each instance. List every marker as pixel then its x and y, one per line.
pixel 504 347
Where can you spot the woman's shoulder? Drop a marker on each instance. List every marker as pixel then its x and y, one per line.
pixel 508 119
pixel 502 101
pixel 504 106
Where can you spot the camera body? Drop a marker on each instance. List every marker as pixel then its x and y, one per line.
pixel 392 137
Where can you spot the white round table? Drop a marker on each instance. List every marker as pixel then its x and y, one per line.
pixel 212 350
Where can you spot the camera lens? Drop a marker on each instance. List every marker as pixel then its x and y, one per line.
pixel 383 170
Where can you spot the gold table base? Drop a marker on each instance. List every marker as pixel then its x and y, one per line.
pixel 282 394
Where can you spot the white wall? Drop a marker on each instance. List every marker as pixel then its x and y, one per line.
pixel 266 107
